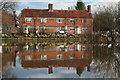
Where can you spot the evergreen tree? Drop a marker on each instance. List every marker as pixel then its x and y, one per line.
pixel 80 5
pixel 79 70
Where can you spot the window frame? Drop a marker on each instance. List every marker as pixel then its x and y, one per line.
pixel 10 28
pixel 43 57
pixel 72 56
pixel 72 29
pixel 28 19
pixel 85 28
pixel 28 58
pixel 7 28
pixel 44 20
pixel 85 21
pixel 72 20
pixel 72 48
pixel 59 56
pixel 61 20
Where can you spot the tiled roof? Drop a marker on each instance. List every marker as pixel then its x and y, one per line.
pixel 56 63
pixel 56 13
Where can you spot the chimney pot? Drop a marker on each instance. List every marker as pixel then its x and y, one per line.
pixel 50 7
pixel 89 8
pixel 68 8
pixel 14 12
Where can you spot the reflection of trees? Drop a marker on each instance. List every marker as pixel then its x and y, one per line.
pixel 8 61
pixel 106 63
pixel 0 65
pixel 7 72
pixel 79 70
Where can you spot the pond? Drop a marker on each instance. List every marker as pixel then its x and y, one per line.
pixel 31 59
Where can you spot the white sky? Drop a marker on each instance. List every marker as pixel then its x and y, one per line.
pixel 58 4
pixel 63 0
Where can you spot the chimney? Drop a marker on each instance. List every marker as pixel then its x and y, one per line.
pixel 68 8
pixel 50 7
pixel 89 8
pixel 14 16
pixel 50 69
pixel 14 12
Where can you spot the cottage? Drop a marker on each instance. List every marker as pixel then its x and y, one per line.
pixel 56 21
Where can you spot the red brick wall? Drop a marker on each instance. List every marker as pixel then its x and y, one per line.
pixel 52 53
pixel 51 24
pixel 8 23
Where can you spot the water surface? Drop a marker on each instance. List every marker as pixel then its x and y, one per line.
pixel 60 60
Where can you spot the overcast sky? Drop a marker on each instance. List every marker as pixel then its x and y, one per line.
pixel 67 0
pixel 58 4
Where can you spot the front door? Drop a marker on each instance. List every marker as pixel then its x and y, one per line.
pixel 79 30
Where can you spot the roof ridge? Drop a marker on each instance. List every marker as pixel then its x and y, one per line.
pixel 53 9
pixel 56 13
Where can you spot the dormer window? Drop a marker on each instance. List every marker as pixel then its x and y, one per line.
pixel 59 20
pixel 44 20
pixel 28 19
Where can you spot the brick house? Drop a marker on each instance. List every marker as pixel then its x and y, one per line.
pixel 8 22
pixel 57 21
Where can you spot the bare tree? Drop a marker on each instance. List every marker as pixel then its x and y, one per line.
pixel 118 18
pixel 8 5
pixel 105 20
pixel 106 61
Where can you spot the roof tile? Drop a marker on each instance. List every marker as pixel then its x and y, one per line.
pixel 56 13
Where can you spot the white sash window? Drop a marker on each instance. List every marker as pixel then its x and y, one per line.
pixel 28 19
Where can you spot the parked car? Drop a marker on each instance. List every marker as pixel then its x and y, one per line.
pixel 61 32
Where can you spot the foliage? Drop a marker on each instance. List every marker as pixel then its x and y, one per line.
pixel 32 35
pixel 43 43
pixel 80 5
pixel 79 70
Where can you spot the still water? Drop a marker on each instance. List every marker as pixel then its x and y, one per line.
pixel 60 60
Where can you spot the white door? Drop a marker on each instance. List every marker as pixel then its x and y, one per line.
pixel 1 49
pixel 79 30
pixel 78 47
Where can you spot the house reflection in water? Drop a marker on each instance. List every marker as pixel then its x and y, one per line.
pixel 9 55
pixel 79 55
pixel 57 56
